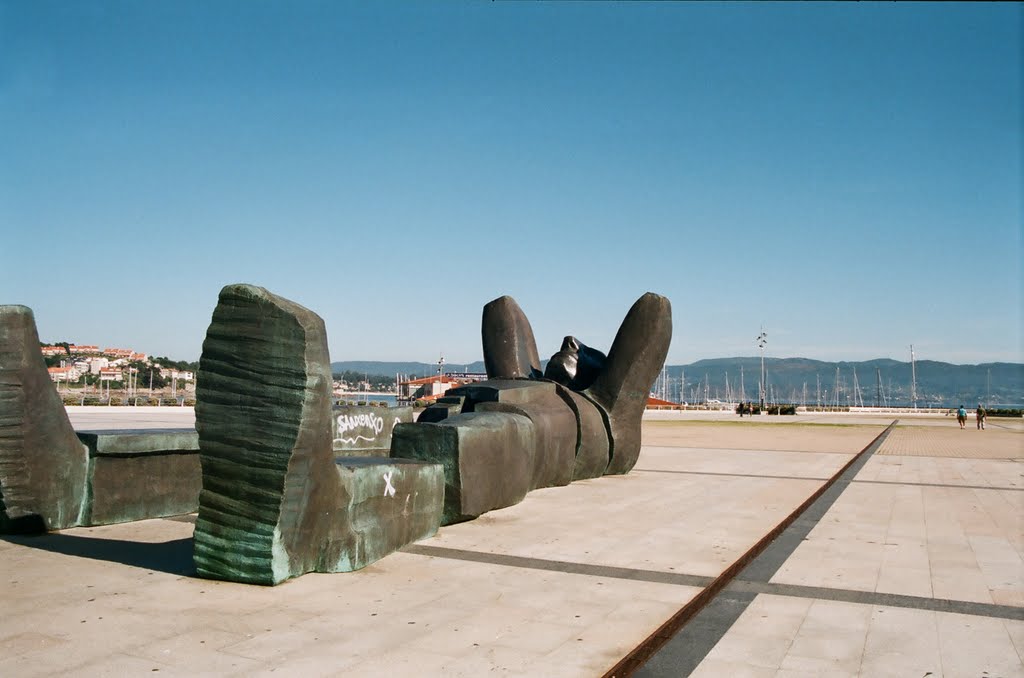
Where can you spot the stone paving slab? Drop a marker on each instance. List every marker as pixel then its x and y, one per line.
pixel 953 470
pixel 77 610
pixel 752 463
pixel 782 636
pixel 657 522
pixel 572 579
pixel 943 542
pixel 787 433
pixel 915 570
pixel 546 613
pixel 952 441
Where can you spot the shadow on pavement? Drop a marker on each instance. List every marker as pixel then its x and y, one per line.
pixel 172 557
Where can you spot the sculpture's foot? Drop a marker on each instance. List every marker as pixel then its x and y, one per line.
pixel 275 502
pixel 634 361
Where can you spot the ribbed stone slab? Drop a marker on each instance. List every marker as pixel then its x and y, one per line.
pixel 362 431
pixel 43 466
pixel 487 457
pixel 275 504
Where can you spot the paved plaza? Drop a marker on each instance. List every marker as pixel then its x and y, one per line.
pixel 816 545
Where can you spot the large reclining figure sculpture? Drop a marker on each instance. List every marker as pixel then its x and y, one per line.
pixel 276 500
pixel 519 431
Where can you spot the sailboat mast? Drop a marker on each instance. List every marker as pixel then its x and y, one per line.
pixel 913 378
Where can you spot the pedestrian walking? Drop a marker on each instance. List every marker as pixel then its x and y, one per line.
pixel 961 416
pixel 980 414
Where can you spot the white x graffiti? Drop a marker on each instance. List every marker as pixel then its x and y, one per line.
pixel 389 489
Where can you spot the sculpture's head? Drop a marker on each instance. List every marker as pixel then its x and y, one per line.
pixel 576 365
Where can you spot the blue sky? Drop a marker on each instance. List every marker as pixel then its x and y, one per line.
pixel 846 175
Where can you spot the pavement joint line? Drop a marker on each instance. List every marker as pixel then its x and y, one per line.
pixel 737 586
pixel 950 485
pixel 1002 427
pixel 746 449
pixel 563 566
pixel 820 479
pixel 733 475
pixel 742 586
pixel 690 633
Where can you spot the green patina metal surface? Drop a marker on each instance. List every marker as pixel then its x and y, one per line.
pixel 140 441
pixel 391 504
pixel 139 474
pixel 274 502
pixel 42 463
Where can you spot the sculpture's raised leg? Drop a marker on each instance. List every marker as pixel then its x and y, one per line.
pixel 43 465
pixel 623 385
pixel 275 503
pixel 510 351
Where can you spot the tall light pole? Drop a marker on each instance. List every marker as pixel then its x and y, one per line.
pixel 762 339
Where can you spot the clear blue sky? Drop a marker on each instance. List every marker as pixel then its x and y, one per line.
pixel 847 175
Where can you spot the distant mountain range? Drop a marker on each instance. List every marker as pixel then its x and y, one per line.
pixel 789 379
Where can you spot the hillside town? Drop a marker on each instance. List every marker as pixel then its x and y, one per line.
pixel 88 365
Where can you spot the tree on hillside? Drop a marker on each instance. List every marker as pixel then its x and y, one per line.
pixel 148 376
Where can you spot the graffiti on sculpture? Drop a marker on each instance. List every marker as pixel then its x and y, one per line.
pixel 358 428
pixel 366 431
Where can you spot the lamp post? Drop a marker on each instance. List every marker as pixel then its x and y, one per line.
pixel 762 339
